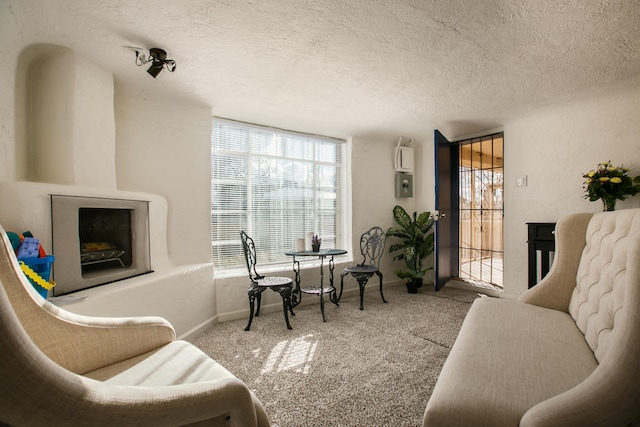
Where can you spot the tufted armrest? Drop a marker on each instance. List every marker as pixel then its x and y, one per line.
pixel 555 290
pixel 609 396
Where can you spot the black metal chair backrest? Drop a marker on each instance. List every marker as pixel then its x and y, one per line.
pixel 372 245
pixel 250 256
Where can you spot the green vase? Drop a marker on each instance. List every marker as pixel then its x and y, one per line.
pixel 608 205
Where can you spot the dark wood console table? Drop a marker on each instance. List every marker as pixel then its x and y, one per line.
pixel 541 240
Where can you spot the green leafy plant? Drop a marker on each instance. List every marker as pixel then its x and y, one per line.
pixel 610 183
pixel 417 242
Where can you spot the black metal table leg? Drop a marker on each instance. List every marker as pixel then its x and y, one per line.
pixel 334 295
pixel 296 294
pixel 322 288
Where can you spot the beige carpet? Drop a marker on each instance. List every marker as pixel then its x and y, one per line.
pixel 375 367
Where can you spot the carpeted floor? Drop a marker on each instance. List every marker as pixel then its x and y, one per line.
pixel 374 367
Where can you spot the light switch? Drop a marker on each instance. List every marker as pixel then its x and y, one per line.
pixel 521 181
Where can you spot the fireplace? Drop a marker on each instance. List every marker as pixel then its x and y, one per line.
pixel 97 241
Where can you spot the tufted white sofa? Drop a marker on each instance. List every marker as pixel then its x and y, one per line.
pixel 567 353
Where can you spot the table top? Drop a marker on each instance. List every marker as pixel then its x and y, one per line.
pixel 273 281
pixel 321 253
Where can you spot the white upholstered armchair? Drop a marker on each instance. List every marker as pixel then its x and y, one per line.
pixel 61 369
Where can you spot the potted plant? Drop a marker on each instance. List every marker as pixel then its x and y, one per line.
pixel 417 244
pixel 315 243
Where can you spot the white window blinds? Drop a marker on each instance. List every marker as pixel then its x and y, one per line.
pixel 274 185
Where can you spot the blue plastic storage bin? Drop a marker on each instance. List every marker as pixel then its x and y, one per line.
pixel 42 266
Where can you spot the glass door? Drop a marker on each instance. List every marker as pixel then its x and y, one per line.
pixel 481 210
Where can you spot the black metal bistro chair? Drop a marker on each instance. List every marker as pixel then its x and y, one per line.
pixel 372 247
pixel 259 283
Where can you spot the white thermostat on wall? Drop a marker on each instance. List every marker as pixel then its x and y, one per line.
pixel 403 160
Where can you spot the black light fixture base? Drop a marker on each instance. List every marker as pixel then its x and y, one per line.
pixel 158 59
pixel 157 54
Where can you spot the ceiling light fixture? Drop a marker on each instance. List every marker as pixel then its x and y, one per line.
pixel 158 59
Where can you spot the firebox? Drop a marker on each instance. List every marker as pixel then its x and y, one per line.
pixel 98 241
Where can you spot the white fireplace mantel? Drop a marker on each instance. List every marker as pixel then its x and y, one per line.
pixel 26 207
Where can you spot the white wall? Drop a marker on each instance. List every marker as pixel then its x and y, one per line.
pixel 373 198
pixel 554 147
pixel 71 122
pixel 12 98
pixel 373 187
pixel 163 147
pixel 148 162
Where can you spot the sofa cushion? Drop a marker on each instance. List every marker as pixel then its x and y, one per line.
pixel 508 357
pixel 601 279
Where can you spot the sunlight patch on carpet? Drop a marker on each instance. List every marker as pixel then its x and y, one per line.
pixel 291 355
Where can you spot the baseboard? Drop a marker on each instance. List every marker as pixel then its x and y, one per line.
pixel 459 284
pixel 277 307
pixel 194 332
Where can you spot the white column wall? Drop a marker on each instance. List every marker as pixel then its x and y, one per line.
pixel 164 147
pixel 71 121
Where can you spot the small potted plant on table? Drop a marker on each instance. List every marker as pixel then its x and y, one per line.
pixel 315 243
pixel 417 244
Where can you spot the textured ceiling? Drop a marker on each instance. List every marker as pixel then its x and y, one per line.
pixel 369 68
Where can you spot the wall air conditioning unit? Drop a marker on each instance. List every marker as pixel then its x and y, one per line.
pixel 403 159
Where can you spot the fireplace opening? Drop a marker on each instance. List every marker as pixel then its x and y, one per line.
pixel 105 239
pixel 98 241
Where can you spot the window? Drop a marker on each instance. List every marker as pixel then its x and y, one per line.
pixel 276 186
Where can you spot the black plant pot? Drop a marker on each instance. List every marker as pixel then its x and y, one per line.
pixel 414 284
